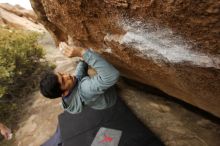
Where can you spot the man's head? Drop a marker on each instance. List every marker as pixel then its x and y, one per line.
pixel 56 85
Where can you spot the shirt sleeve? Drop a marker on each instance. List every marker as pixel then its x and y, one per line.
pixel 106 76
pixel 81 70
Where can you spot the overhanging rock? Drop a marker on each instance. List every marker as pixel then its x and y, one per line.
pixel 173 45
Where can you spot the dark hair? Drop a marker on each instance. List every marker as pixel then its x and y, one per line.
pixel 49 86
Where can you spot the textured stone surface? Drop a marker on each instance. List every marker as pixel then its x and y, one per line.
pixel 172 45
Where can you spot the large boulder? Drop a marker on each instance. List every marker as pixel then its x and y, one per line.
pixel 173 45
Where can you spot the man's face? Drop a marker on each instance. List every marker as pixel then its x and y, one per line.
pixel 66 82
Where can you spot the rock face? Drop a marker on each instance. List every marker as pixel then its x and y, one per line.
pixel 172 45
pixel 19 18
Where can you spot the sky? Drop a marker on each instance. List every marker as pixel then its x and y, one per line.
pixel 23 3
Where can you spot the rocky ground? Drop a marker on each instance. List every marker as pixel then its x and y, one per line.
pixel 174 123
pixel 19 18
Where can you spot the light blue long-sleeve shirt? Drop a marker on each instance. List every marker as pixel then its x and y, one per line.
pixel 97 91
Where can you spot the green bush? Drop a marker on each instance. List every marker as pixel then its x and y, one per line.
pixel 19 56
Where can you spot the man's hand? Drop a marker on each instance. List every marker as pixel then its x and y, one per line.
pixel 71 51
pixel 5 131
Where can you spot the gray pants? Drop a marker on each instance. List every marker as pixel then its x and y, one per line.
pixel 55 140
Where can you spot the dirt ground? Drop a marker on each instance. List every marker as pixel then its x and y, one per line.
pixel 175 124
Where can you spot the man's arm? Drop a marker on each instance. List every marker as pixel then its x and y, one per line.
pixel 106 75
pixel 82 67
pixel 81 70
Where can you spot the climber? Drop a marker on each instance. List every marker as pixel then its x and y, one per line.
pixel 91 106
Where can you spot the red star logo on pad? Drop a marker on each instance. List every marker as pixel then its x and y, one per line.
pixel 106 139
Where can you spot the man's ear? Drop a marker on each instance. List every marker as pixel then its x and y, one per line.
pixel 65 93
